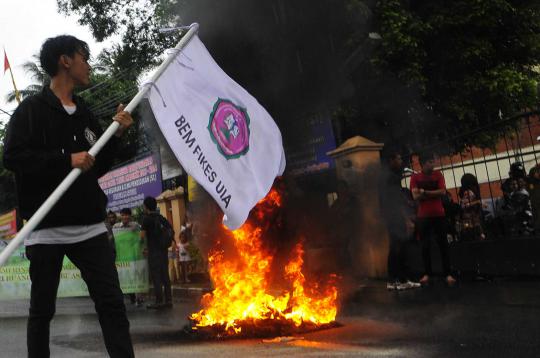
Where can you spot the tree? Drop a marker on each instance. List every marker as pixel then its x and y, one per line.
pixel 473 62
pixel 137 23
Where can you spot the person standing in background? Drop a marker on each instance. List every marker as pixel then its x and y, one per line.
pixel 157 255
pixel 398 217
pixel 184 257
pixel 428 188
pixel 127 224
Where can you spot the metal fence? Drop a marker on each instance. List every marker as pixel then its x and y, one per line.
pixel 510 197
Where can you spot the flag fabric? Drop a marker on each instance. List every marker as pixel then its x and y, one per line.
pixel 6 62
pixel 218 132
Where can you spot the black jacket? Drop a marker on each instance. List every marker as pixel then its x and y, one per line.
pixel 153 235
pixel 39 141
pixel 395 203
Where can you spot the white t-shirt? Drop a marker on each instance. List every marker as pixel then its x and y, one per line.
pixel 183 254
pixel 70 109
pixel 65 234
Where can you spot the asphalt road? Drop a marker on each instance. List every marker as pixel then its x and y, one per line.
pixel 477 319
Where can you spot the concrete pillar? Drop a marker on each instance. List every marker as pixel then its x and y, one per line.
pixel 358 164
pixel 171 205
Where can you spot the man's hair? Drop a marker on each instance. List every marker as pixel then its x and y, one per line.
pixel 425 157
pixel 111 213
pixel 150 203
pixel 54 47
pixel 126 211
pixel 517 170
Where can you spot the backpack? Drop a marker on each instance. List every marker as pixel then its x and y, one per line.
pixel 164 232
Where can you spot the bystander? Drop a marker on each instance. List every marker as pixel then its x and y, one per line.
pixel 428 188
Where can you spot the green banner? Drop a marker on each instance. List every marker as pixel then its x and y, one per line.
pixel 131 265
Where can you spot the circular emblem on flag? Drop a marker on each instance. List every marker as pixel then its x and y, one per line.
pixel 229 128
pixel 90 136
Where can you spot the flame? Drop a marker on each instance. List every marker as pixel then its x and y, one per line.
pixel 242 292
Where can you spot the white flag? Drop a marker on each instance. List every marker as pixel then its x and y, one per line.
pixel 220 134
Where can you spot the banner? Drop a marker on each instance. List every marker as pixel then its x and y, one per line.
pixel 8 225
pixel 128 185
pixel 307 154
pixel 131 265
pixel 218 132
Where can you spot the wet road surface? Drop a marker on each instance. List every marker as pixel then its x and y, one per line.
pixel 477 319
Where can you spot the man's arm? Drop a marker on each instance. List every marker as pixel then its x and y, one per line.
pixel 416 192
pixel 421 194
pixel 145 227
pixel 439 193
pixel 441 188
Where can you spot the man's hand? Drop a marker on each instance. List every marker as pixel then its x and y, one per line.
pixel 418 194
pixel 82 160
pixel 409 226
pixel 124 118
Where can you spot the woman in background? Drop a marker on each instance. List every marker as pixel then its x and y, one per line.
pixel 471 208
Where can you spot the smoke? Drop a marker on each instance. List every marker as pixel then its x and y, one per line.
pixel 288 54
pixel 296 58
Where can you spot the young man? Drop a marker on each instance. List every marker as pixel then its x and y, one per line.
pixel 398 215
pixel 48 135
pixel 157 255
pixel 127 224
pixel 428 188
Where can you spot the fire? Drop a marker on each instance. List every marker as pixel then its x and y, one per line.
pixel 242 294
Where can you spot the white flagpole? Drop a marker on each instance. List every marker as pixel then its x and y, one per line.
pixel 44 209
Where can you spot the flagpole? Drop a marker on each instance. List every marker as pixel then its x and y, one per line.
pixel 44 209
pixel 17 95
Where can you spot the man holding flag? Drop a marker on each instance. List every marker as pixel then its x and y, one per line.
pixel 220 134
pixel 48 135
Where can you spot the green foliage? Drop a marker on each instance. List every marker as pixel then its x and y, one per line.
pixel 473 61
pixel 137 24
pixel 106 92
pixel 39 77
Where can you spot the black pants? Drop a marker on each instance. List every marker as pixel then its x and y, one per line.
pixel 158 264
pixel 397 259
pixel 436 227
pixel 94 259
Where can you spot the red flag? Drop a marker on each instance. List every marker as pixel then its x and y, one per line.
pixel 6 62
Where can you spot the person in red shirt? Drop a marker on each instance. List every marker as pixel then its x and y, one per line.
pixel 428 188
